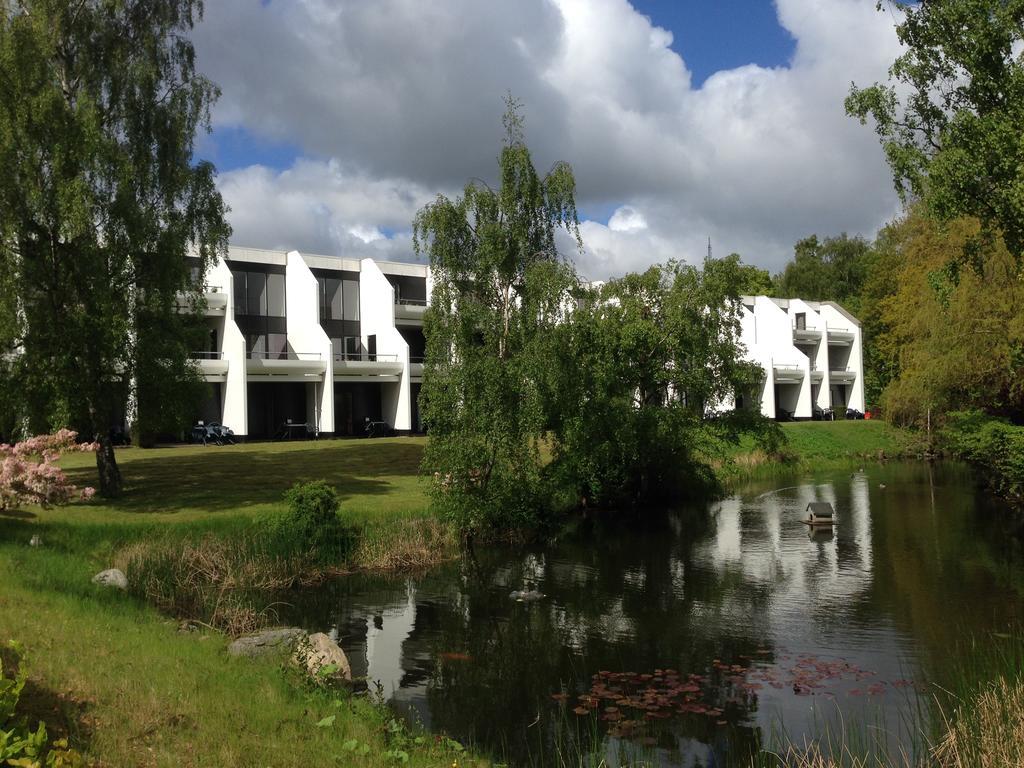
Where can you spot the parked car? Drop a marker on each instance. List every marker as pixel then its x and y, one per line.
pixel 853 413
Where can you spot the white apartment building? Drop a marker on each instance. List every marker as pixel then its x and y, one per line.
pixel 323 344
pixel 313 342
pixel 811 352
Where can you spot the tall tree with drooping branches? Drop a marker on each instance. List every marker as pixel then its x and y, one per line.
pixel 500 285
pixel 101 200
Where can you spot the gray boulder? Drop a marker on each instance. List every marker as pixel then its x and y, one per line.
pixel 317 652
pixel 270 641
pixel 112 577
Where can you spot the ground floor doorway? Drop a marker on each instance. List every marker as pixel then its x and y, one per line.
pixel 353 404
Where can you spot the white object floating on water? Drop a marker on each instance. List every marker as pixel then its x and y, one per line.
pixel 819 513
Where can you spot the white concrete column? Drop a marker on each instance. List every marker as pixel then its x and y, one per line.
pixel 377 318
pixel 234 409
pixel 306 335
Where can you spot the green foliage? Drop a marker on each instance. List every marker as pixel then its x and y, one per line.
pixel 100 203
pixel 500 287
pixel 833 269
pixel 643 360
pixel 313 520
pixel 750 280
pixel 946 345
pixel 949 118
pixel 994 445
pixel 20 745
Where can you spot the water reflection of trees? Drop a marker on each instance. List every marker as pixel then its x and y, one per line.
pixel 674 591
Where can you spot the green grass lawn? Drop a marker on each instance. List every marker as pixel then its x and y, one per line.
pixel 119 678
pixel 818 446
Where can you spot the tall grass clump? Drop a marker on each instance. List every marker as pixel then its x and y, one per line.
pixel 218 580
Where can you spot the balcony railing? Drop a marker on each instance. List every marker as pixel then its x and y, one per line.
pixel 364 357
pixel 206 355
pixel 417 359
pixel 787 366
pixel 411 302
pixel 287 355
pixel 833 369
pixel 838 328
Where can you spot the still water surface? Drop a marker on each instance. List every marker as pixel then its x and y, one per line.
pixel 744 622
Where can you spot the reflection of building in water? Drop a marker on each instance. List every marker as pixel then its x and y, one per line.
pixel 807 578
pixel 385 634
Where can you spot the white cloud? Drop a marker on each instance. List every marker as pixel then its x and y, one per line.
pixel 396 100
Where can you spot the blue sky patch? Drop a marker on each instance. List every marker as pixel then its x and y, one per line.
pixel 721 34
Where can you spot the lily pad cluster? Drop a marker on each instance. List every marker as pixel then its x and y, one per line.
pixel 629 700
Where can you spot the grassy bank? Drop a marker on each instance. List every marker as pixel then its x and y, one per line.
pixel 816 446
pixel 118 677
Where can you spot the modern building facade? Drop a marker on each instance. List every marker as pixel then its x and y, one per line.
pixel 313 344
pixel 812 355
pixel 302 344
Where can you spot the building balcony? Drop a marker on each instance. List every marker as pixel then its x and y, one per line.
pixel 805 335
pixel 287 363
pixel 409 311
pixel 788 373
pixel 842 374
pixel 212 365
pixel 840 336
pixel 216 301
pixel 416 367
pixel 356 366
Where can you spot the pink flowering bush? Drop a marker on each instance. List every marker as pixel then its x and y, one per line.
pixel 29 473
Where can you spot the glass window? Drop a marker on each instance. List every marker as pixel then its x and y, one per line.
pixel 334 298
pixel 352 347
pixel 350 289
pixel 255 293
pixel 277 346
pixel 240 300
pixel 337 349
pixel 275 306
pixel 257 344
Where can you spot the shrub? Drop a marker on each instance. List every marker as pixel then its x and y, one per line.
pixel 29 473
pixel 312 521
pixel 994 445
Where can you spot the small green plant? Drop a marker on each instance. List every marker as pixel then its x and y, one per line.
pixel 19 745
pixel 312 520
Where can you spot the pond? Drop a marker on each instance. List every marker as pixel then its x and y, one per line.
pixel 694 637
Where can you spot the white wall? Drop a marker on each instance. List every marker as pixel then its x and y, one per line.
pixel 767 333
pixel 233 407
pixel 305 334
pixel 377 317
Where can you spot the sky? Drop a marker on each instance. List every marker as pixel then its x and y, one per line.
pixel 683 119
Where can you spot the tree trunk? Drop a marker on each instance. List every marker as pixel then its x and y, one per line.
pixel 106 463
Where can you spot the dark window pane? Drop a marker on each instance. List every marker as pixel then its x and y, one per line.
pixel 350 289
pixel 352 347
pixel 277 346
pixel 275 296
pixel 240 300
pixel 334 299
pixel 256 293
pixel 257 344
